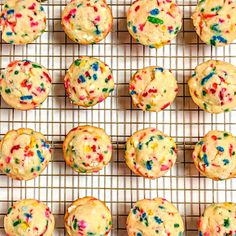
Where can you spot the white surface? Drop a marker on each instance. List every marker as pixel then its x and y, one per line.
pixel 115 185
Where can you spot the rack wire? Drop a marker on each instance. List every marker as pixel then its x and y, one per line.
pixel 58 185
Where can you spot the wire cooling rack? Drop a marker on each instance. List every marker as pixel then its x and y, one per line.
pixel 58 185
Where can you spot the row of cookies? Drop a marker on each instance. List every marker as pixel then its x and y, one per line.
pixel 89 216
pixel 150 153
pixel 152 23
pixel 25 85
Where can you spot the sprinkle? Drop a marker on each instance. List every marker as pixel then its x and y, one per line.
pixel 28 97
pixel 41 158
pixel 17 223
pixel 205 159
pixel 134 28
pixel 95 66
pixel 158 220
pixel 149 164
pixel 36 66
pixel 155 20
pixel 154 12
pixel 159 69
pixel 226 162
pixel 220 149
pixel 226 223
pixel 82 79
pixel 205 79
pixel 217 38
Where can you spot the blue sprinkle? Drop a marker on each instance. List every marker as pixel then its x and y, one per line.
pixel 158 220
pixel 82 79
pixel 139 234
pixel 8 33
pixel 149 165
pixel 194 74
pixel 200 143
pixel 154 12
pixel 220 149
pixel 161 207
pixel 27 215
pixel 205 159
pixel 97 31
pixel 140 146
pixel 29 97
pixel 132 92
pixel 160 137
pixel 217 38
pixel 144 215
pixel 40 156
pixel 226 162
pixel 159 68
pixel 200 233
pixel 95 66
pixel 10 11
pixel 205 79
pixel 46 145
pixel 95 76
pixel 134 28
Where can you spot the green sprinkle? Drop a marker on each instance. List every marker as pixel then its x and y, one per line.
pixel 104 90
pixel 17 161
pixel 77 62
pixel 204 93
pixel 7 90
pixel 75 224
pixel 36 66
pixel 155 20
pixel 148 107
pixel 226 223
pixel 176 225
pixel 9 210
pixel 17 223
pixel 16 72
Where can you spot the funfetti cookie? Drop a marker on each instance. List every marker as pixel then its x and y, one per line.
pixel 29 217
pixel 156 217
pixel 150 153
pixel 153 88
pixel 87 149
pixel 215 155
pixel 88 216
pixel 218 219
pixel 154 23
pixel 25 85
pixel 213 86
pixel 215 21
pixel 87 21
pixel 24 154
pixel 88 81
pixel 22 21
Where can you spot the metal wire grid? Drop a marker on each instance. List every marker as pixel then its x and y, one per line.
pixel 58 185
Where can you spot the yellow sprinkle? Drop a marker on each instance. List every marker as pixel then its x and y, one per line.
pixel 87 149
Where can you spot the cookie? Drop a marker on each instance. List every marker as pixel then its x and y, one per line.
pixel 212 86
pixel 88 81
pixel 29 217
pixel 215 21
pixel 156 217
pixel 150 153
pixel 25 85
pixel 87 21
pixel 154 23
pixel 24 154
pixel 22 21
pixel 88 216
pixel 218 220
pixel 87 149
pixel 153 88
pixel 215 155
